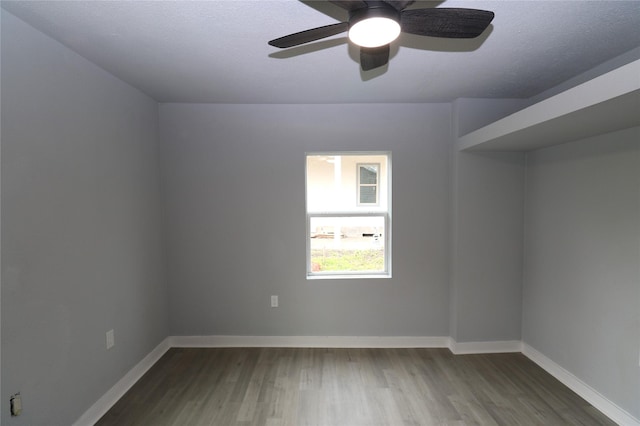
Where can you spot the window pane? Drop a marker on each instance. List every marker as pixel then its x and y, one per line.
pixel 334 182
pixel 369 174
pixel 347 244
pixel 368 195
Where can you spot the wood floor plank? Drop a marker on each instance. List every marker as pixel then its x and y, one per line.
pixel 355 387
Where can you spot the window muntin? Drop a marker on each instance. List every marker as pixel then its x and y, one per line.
pixel 347 237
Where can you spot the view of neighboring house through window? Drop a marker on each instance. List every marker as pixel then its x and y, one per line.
pixel 348 214
pixel 368 184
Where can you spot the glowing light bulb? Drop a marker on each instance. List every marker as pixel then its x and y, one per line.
pixel 374 32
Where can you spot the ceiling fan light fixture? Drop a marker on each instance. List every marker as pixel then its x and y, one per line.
pixel 376 25
pixel 374 32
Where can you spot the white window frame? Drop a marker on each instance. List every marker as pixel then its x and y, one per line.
pixel 358 212
pixel 375 185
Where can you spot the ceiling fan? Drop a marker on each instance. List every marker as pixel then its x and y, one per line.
pixel 372 25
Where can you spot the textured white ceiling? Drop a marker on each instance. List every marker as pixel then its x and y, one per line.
pixel 216 51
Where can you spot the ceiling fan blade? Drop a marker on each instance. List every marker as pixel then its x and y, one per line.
pixel 400 4
pixel 309 35
pixel 450 23
pixel 373 57
pixel 349 4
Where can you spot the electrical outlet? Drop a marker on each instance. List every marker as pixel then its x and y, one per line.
pixel 274 301
pixel 16 404
pixel 110 339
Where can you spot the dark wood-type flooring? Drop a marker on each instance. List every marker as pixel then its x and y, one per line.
pixel 347 387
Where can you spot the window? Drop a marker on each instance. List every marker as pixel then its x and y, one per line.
pixel 348 199
pixel 368 184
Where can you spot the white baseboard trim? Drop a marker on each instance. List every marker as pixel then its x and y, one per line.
pixel 309 341
pixel 101 406
pixel 592 396
pixel 345 342
pixel 505 346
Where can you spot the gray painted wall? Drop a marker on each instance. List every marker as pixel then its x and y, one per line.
pixel 81 247
pixel 234 180
pixel 581 304
pixel 487 201
pixel 486 275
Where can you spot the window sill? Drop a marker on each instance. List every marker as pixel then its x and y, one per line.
pixel 347 276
